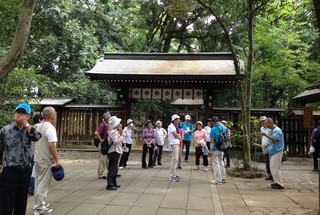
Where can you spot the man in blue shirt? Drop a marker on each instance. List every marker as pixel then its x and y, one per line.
pixel 275 150
pixel 188 130
pixel 219 171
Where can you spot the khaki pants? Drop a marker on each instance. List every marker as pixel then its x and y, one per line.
pixel 174 159
pixel 103 163
pixel 219 171
pixel 275 165
pixel 43 176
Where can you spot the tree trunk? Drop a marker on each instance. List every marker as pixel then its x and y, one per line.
pixel 11 59
pixel 316 4
pixel 248 89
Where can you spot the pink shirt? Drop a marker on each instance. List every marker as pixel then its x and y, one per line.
pixel 199 135
pixel 181 134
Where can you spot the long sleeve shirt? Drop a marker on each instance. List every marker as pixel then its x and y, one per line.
pixel 116 139
pixel 15 145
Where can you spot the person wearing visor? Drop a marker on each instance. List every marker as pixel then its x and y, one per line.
pixel 16 157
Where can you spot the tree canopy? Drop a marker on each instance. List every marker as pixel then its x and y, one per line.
pixel 67 37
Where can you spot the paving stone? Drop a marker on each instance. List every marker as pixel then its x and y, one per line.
pixel 149 191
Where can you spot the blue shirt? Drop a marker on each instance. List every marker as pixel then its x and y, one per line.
pixel 278 146
pixel 215 134
pixel 186 126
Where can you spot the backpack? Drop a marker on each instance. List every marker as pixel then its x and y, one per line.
pixel 222 143
pixel 105 146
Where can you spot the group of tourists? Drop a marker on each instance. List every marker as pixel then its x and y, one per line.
pixel 180 135
pixel 28 153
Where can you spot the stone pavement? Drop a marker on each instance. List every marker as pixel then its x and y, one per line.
pixel 149 191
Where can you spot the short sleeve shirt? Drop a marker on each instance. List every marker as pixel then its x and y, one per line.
pixel 186 127
pixel 171 137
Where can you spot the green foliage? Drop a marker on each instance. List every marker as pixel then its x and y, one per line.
pixel 85 91
pixel 285 63
pixel 23 84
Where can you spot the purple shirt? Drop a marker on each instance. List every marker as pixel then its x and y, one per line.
pixel 103 130
pixel 149 134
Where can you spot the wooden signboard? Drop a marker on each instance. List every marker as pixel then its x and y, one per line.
pixel 308 118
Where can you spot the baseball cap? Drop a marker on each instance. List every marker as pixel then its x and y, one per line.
pixel 224 122
pixel 187 117
pixel 25 107
pixel 57 173
pixel 215 119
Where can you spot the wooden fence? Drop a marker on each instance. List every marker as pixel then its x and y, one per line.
pixel 295 136
pixel 77 127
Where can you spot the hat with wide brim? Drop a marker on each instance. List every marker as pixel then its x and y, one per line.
pixel 57 173
pixel 129 121
pixel 114 121
pixel 174 117
pixel 262 118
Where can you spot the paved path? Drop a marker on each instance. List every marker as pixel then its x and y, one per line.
pixel 149 191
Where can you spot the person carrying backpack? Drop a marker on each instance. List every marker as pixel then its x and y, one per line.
pixel 315 141
pixel 219 171
pixel 102 133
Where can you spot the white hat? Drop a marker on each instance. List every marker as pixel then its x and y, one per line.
pixel 129 121
pixel 114 121
pixel 224 122
pixel 157 122
pixel 187 117
pixel 174 117
pixel 199 122
pixel 262 118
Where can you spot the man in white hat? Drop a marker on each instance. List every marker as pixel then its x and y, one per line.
pixel 187 137
pixel 265 143
pixel 174 141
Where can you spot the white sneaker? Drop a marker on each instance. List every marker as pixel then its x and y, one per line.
pixel 121 167
pixel 43 204
pixel 224 180
pixel 196 167
pixel 44 210
pixel 206 169
pixel 216 181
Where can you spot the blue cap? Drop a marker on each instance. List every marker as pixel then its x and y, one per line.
pixel 57 173
pixel 25 107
